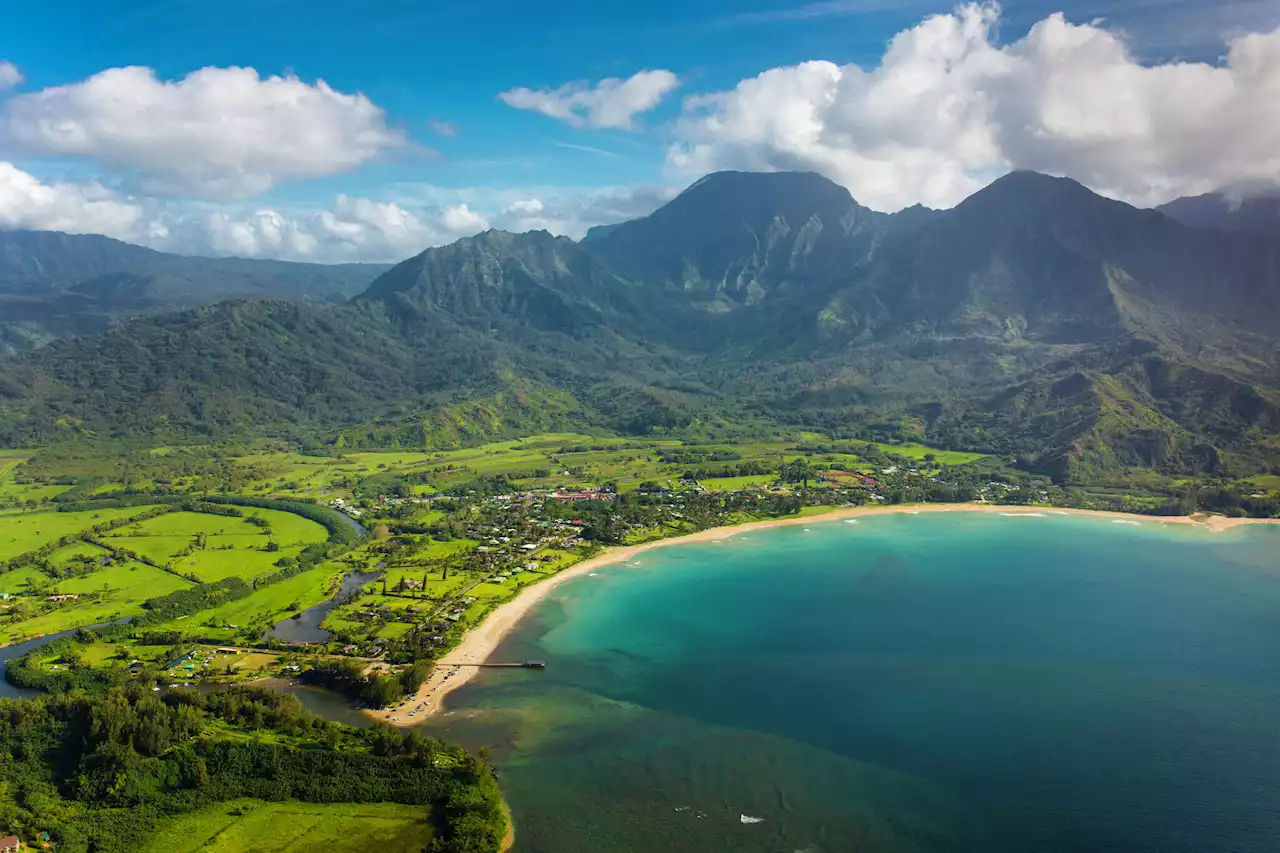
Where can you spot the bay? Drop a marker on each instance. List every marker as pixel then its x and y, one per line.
pixel 944 682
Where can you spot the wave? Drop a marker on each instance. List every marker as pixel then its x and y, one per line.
pixel 1126 521
pixel 1024 515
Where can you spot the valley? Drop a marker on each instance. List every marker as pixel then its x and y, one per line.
pixel 331 494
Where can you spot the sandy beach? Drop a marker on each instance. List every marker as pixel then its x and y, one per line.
pixel 458 667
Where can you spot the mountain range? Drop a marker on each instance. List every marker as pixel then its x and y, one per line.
pixel 1079 335
pixel 1257 212
pixel 53 285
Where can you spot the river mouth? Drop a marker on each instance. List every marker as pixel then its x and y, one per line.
pixel 306 627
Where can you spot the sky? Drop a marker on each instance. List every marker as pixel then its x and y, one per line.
pixel 369 130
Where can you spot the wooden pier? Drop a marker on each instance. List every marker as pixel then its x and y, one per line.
pixel 529 664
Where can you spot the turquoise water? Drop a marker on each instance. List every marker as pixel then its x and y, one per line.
pixel 954 683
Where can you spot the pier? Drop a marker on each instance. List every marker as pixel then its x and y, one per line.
pixel 529 664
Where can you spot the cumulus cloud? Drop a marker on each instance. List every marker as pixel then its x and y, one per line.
pixel 567 211
pixel 351 229
pixel 217 133
pixel 28 203
pixel 947 110
pixel 10 76
pixel 610 103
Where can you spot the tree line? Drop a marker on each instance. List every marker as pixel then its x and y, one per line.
pixel 99 772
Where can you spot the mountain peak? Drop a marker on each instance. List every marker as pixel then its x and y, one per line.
pixel 734 235
pixel 1025 182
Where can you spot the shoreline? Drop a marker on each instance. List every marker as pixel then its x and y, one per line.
pixel 479 643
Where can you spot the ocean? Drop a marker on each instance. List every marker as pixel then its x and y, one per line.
pixel 961 682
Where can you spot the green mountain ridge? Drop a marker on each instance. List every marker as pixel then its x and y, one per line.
pixel 56 285
pixel 1036 319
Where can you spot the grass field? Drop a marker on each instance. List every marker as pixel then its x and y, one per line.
pixel 67 553
pixel 919 451
pixel 1267 482
pixel 292 827
pixel 233 546
pixel 272 603
pixel 15 581
pixel 394 630
pixel 553 459
pixel 126 586
pixel 725 484
pixel 28 531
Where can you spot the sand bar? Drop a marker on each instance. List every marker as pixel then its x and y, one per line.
pixel 481 642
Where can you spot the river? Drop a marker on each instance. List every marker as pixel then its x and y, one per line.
pixel 306 628
pixel 9 653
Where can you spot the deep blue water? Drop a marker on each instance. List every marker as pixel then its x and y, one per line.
pixel 959 682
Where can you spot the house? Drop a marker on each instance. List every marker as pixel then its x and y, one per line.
pixel 10 844
pixel 63 597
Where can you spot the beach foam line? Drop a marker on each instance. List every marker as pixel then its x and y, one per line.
pixel 1126 521
pixel 1024 515
pixel 852 521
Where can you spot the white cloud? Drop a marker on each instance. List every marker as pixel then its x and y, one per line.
pixel 524 207
pixel 443 128
pixel 461 219
pixel 612 102
pixel 351 229
pixel 28 203
pixel 10 76
pixel 217 133
pixel 947 110
pixel 568 211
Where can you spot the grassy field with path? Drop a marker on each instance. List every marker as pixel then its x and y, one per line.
pixel 293 827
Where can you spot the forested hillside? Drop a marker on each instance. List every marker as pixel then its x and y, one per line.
pixel 53 285
pixel 1036 320
pixel 101 772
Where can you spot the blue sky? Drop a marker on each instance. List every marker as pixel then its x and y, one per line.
pixel 436 72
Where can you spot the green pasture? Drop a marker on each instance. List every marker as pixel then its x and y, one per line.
pixel 67 553
pixel 15 581
pixel 1267 482
pixel 272 603
pixel 919 451
pixel 123 588
pixel 394 630
pixel 28 531
pixel 233 546
pixel 729 484
pixel 249 826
